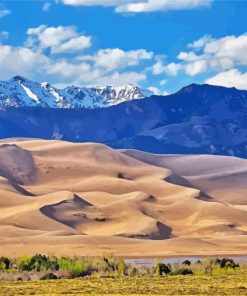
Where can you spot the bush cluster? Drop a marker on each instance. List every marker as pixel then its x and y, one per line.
pixel 52 267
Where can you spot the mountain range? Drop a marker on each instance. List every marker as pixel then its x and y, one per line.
pixel 22 92
pixel 198 119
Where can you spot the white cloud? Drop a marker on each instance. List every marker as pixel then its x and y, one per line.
pixel 59 39
pixel 230 78
pixel 38 66
pixel 75 44
pixel 139 6
pixel 161 5
pixel 173 69
pixel 163 82
pixel 158 92
pixel 123 78
pixel 116 58
pixel 158 68
pixel 93 2
pixel 155 90
pixel 209 54
pixel 4 11
pixel 200 43
pixel 3 35
pixel 196 67
pixel 20 60
pixel 187 56
pixel 46 7
pixel 232 47
pixel 105 66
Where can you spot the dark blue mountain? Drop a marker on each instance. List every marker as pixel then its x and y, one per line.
pixel 197 119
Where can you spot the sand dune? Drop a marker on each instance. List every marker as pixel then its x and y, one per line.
pixel 88 198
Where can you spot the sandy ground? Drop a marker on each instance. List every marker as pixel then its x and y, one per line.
pixel 88 199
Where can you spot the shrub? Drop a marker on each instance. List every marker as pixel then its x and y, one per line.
pixel 121 268
pixel 75 267
pixel 226 263
pixel 133 272
pixel 5 263
pixel 182 271
pixel 208 265
pixel 186 262
pixel 38 263
pixel 161 268
pixel 48 276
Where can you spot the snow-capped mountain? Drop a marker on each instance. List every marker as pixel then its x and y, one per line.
pixel 22 92
pixel 116 95
pixel 199 119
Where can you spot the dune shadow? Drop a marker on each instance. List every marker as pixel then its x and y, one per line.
pixel 180 181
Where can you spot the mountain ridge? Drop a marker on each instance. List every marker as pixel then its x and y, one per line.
pixel 22 92
pixel 199 119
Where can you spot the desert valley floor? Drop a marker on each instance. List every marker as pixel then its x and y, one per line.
pixel 88 199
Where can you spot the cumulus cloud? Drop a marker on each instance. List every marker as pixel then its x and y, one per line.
pixel 157 91
pixel 36 65
pixel 140 6
pixel 46 6
pixel 231 47
pixel 161 5
pixel 4 11
pixel 196 67
pixel 44 56
pixel 230 78
pixel 21 60
pixel 207 54
pixel 200 43
pixel 58 39
pixel 171 69
pixel 116 58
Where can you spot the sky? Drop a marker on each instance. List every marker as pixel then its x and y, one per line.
pixel 162 45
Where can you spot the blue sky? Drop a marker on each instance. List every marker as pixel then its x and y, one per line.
pixel 162 44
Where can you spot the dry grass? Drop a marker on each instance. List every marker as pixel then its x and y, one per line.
pixel 225 284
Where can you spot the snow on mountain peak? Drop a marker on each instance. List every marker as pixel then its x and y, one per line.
pixel 20 91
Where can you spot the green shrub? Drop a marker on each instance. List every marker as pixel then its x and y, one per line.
pixel 121 268
pixel 37 263
pixel 75 267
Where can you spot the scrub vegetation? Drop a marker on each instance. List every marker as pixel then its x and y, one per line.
pixel 107 275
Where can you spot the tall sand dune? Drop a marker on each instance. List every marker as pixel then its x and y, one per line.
pixel 89 199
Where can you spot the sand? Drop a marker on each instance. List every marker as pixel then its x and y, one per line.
pixel 88 199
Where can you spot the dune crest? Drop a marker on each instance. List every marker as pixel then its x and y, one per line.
pixel 88 198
